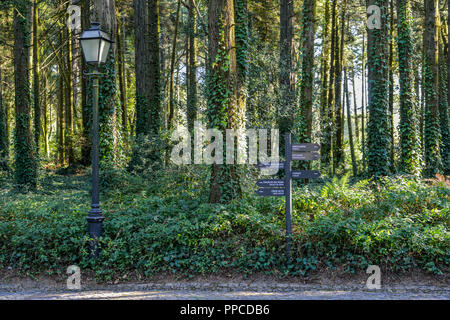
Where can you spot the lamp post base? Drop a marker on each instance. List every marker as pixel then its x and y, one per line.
pixel 95 225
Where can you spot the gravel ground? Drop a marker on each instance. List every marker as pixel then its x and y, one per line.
pixel 233 291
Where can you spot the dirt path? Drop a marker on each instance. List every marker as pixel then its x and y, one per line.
pixel 325 285
pixel 218 291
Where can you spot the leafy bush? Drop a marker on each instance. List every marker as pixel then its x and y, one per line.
pixel 167 227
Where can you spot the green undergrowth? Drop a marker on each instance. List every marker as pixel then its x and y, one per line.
pixel 150 227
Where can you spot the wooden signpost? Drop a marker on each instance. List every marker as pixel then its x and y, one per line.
pixel 280 188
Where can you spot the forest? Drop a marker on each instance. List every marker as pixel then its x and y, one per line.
pixel 366 80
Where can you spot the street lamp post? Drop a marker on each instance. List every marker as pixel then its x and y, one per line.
pixel 95 44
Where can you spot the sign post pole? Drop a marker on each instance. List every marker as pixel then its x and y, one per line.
pixel 288 194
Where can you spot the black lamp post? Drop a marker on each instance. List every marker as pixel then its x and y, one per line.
pixel 95 44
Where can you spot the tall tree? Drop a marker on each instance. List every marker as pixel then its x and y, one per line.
pixel 338 141
pixel 443 99
pixel 171 111
pixel 324 71
pixel 154 68
pixel 241 37
pixel 25 155
pixel 355 106
pixel 223 110
pixel 120 38
pixel 391 85
pixel 363 103
pixel 349 124
pixel 68 97
pixel 433 162
pixel 378 126
pixel 104 12
pixel 287 75
pixel 307 73
pixel 328 134
pixel 36 82
pixel 4 145
pixel 86 91
pixel 141 67
pixel 409 137
pixel 192 66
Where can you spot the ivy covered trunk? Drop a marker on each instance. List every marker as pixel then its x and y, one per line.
pixel 409 137
pixel 324 71
pixel 36 88
pixel 307 74
pixel 241 36
pixel 432 134
pixel 223 110
pixel 192 67
pixel 68 98
pixel 391 87
pixel 338 141
pixel 4 150
pixel 443 102
pixel 154 119
pixel 287 63
pixel 378 138
pixel 141 65
pixel 327 141
pixel 86 91
pixel 104 13
pixel 25 155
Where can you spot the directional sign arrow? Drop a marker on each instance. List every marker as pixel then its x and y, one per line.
pixel 305 147
pixel 266 192
pixel 280 165
pixel 307 156
pixel 305 174
pixel 267 183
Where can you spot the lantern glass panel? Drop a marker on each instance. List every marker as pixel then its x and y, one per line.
pixel 91 49
pixel 105 45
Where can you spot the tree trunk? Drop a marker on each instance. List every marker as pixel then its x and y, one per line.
pixel 338 152
pixel 328 135
pixel 409 146
pixel 25 157
pixel 36 91
pixel 443 102
pixel 349 125
pixel 223 110
pixel 141 67
pixel 241 37
pixel 355 107
pixel 120 38
pixel 86 91
pixel 171 111
pixel 433 162
pixel 154 69
pixel 4 140
pixel 378 126
pixel 287 64
pixel 391 86
pixel 363 105
pixel 307 72
pixel 324 69
pixel 192 67
pixel 104 12
pixel 60 118
pixel 68 96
